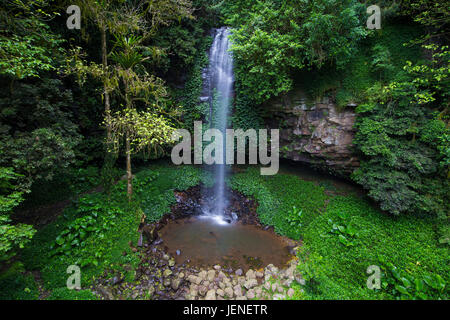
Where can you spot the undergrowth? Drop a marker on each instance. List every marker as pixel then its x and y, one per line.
pixel 341 239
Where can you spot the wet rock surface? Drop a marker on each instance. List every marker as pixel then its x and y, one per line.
pixel 316 132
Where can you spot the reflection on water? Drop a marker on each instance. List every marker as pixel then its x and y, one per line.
pixel 205 242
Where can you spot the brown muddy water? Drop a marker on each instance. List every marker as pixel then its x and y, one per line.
pixel 236 245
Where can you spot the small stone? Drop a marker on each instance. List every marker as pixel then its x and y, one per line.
pixel 211 295
pixel 194 279
pixel 250 294
pixel 193 287
pixel 290 272
pixel 220 292
pixel 202 290
pixel 228 292
pixel 178 252
pixel 176 283
pixel 211 275
pixel 250 274
pixel 202 274
pixel 167 273
pixel 287 283
pixel 290 292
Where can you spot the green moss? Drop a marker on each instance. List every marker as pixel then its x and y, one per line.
pixel 277 195
pixel 66 294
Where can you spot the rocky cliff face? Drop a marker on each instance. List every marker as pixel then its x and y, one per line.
pixel 315 133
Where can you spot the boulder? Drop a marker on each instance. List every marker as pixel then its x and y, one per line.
pixel 211 295
pixel 251 283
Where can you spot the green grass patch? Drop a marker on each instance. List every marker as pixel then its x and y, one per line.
pixel 277 195
pixel 66 294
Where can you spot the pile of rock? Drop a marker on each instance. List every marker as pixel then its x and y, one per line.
pixel 219 284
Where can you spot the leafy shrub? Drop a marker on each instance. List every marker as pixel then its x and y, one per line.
pixel 12 236
pixel 345 232
pixel 16 285
pixel 294 218
pixel 93 234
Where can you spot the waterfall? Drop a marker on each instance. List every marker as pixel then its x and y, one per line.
pixel 219 90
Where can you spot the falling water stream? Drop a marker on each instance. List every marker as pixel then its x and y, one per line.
pixel 219 89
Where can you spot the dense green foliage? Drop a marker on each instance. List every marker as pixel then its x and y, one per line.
pixel 345 236
pixel 95 231
pixel 273 38
pixel 403 135
pixel 133 74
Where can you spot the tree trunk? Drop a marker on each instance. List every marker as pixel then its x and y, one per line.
pixel 129 173
pixel 105 93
